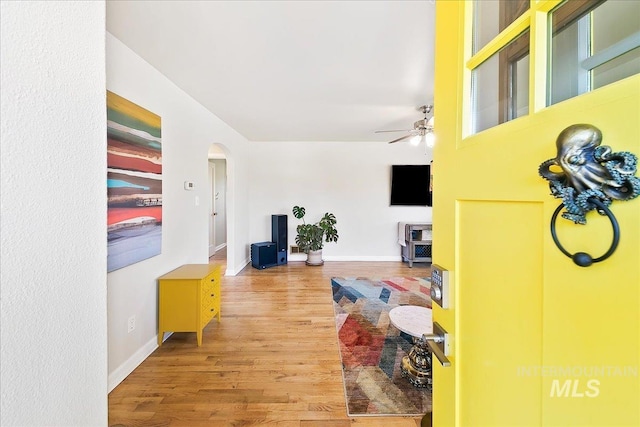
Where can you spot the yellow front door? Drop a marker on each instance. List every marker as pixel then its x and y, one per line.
pixel 536 340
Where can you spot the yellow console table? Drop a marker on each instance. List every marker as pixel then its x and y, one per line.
pixel 189 297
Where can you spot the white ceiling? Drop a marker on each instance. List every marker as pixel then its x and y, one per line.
pixel 291 70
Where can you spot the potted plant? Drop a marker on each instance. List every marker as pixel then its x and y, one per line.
pixel 311 237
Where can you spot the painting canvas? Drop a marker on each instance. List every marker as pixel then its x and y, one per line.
pixel 134 183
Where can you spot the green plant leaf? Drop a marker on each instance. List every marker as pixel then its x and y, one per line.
pixel 311 237
pixel 298 212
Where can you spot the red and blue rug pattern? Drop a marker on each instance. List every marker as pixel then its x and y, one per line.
pixel 372 349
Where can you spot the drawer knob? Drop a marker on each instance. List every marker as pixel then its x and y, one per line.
pixel 212 309
pixel 212 295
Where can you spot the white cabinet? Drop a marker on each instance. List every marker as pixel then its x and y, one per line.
pixel 418 241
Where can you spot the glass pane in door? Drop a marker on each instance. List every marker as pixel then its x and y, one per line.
pixel 490 17
pixel 500 86
pixel 618 68
pixel 615 35
pixel 593 43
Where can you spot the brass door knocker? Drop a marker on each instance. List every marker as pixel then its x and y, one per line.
pixel 588 176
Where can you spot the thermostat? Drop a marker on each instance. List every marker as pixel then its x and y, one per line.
pixel 440 286
pixel 188 185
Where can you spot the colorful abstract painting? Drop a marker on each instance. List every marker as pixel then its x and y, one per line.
pixel 134 183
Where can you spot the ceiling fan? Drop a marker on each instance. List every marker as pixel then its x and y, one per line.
pixel 422 129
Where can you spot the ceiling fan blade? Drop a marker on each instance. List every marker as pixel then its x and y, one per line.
pixel 399 130
pixel 400 139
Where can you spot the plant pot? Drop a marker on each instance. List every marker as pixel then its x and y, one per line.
pixel 314 258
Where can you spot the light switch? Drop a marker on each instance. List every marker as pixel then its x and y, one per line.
pixel 188 185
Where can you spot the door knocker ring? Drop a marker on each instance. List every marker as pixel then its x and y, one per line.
pixel 581 258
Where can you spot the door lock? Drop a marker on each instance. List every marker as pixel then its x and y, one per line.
pixel 440 286
pixel 438 343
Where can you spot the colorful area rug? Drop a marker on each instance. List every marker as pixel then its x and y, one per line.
pixel 372 349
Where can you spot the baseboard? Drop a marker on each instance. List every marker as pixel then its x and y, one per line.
pixel 363 258
pixel 303 257
pixel 122 371
pixel 243 264
pixel 221 246
pixel 297 257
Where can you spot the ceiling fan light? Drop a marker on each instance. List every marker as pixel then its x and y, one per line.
pixel 415 140
pixel 430 139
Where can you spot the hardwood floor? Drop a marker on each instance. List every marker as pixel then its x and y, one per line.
pixel 272 360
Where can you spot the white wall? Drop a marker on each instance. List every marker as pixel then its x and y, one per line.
pixel 349 179
pixel 188 130
pixel 53 295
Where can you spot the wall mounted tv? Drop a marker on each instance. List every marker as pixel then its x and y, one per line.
pixel 410 185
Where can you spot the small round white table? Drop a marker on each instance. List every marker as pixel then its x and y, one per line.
pixel 415 321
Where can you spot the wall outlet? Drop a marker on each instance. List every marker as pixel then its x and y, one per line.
pixel 131 325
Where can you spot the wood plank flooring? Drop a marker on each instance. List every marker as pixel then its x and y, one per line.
pixel 272 360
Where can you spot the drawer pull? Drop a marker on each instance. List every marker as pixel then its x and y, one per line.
pixel 212 295
pixel 212 309
pixel 213 280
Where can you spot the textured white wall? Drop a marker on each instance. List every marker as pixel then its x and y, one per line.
pixel 188 130
pixel 53 272
pixel 349 179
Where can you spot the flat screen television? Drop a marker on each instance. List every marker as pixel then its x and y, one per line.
pixel 410 185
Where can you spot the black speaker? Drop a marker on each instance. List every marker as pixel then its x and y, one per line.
pixel 263 255
pixel 279 236
pixel 282 257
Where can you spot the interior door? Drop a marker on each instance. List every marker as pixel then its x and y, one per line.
pixel 212 209
pixel 536 340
